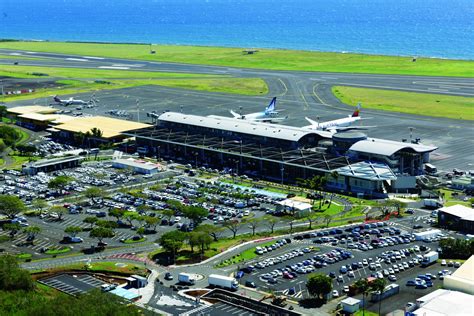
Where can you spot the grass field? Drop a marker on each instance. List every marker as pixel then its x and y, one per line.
pixel 87 80
pixel 263 59
pixel 426 104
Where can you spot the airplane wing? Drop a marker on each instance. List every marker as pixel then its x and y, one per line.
pixel 336 129
pixel 236 115
pixel 269 119
pixel 312 122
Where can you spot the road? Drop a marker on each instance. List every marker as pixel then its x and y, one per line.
pixel 299 93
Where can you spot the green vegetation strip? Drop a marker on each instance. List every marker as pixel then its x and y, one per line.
pixel 437 105
pixel 263 59
pixel 58 251
pixel 131 241
pixel 24 256
pixel 246 255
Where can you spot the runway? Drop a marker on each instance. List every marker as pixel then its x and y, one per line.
pixel 299 93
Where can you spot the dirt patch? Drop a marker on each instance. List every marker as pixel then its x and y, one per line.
pixel 14 84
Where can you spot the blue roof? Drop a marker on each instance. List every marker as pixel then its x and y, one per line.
pixel 126 294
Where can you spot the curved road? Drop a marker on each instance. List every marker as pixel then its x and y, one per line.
pixel 299 93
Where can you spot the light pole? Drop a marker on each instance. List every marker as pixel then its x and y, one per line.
pixel 282 169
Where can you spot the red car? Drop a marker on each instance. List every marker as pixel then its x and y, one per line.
pixel 286 275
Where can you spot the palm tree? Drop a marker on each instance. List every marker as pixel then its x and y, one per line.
pixel 378 286
pixel 363 286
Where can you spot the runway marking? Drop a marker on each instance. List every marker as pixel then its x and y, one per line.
pixel 317 96
pixel 113 67
pixel 398 89
pixel 128 65
pixel 15 54
pixel 91 57
pixel 76 59
pixel 439 90
pixel 284 86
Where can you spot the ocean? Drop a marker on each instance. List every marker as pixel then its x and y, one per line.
pixel 430 28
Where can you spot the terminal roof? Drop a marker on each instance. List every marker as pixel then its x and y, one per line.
pixel 459 210
pixel 388 147
pixel 284 132
pixel 368 171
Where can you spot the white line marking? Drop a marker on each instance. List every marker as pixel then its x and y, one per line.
pixel 91 57
pixel 112 67
pixel 76 59
pixel 394 88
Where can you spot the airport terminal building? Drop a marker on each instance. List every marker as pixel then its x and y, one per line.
pixel 353 162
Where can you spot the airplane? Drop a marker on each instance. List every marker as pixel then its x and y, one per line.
pixel 72 101
pixel 269 115
pixel 339 125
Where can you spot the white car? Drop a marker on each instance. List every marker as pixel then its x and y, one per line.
pixel 443 262
pixel 335 293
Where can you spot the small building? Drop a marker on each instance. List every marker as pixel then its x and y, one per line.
pixel 427 234
pixel 50 165
pixel 463 183
pixel 388 291
pixel 294 206
pixel 138 166
pixel 444 303
pixel 126 294
pixel 137 281
pixel 350 305
pixel 457 217
pixel 462 279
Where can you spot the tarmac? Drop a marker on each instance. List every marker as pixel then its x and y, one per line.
pixel 300 94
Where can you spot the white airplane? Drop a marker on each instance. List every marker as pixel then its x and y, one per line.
pixel 72 101
pixel 338 125
pixel 269 115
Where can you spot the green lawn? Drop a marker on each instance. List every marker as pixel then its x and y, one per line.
pixel 263 59
pixel 58 251
pixel 105 266
pixel 24 256
pixel 131 241
pixel 450 200
pixel 426 104
pixel 246 255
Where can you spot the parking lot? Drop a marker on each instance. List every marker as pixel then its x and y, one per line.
pixel 286 269
pixel 73 284
pixel 224 201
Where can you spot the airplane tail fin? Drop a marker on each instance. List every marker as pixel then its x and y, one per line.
pixel 236 115
pixel 271 106
pixel 357 111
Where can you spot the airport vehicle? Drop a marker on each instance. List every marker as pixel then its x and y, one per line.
pixel 429 258
pixel 222 281
pixel 269 115
pixel 339 125
pixel 72 101
pixel 168 276
pixel 186 278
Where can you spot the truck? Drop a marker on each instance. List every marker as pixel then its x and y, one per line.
pixel 432 204
pixel 186 278
pixel 429 258
pixel 224 282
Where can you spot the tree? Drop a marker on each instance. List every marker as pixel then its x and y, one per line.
pixel 39 205
pixel 59 183
pixel 91 220
pixel 310 219
pixel 3 111
pixel 117 213
pixel 201 239
pixel 327 219
pixel 141 232
pixel 101 232
pixel 167 214
pixel 211 230
pixel 271 222
pixel 195 213
pixel 233 225
pixel 172 241
pixel 106 224
pixel 26 150
pixel 253 224
pixel 378 285
pixel 94 193
pixel 151 222
pixel 291 223
pixel 13 228
pixel 59 210
pixel 319 285
pixel 32 231
pixel 12 277
pixel 11 205
pixel 131 216
pixel 388 205
pixel 73 230
pixel 95 132
pixel 363 287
